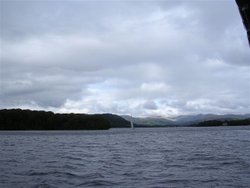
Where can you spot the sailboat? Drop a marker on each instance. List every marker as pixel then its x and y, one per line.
pixel 132 124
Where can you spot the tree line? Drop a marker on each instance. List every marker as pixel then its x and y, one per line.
pixel 239 122
pixel 18 119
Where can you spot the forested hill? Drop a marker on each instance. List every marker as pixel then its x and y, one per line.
pixel 116 121
pixel 209 123
pixel 17 119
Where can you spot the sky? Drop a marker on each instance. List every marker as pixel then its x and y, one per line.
pixel 141 58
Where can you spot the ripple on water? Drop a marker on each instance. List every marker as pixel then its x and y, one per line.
pixel 176 157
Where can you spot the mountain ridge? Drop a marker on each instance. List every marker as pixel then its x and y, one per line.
pixel 183 119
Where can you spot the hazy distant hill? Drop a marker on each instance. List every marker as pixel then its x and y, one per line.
pixel 149 121
pixel 184 119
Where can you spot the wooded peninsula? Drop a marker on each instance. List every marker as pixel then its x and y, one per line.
pixel 17 119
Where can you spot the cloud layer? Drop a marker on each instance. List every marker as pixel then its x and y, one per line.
pixel 145 58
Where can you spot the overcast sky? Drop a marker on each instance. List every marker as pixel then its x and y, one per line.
pixel 144 58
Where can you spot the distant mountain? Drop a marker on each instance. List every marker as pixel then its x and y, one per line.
pixel 149 121
pixel 183 120
pixel 195 119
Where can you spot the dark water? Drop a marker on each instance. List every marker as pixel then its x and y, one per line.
pixel 170 157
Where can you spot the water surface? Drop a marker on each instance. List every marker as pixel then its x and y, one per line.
pixel 143 157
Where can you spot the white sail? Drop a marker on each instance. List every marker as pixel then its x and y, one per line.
pixel 132 124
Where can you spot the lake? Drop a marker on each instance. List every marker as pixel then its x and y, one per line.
pixel 140 157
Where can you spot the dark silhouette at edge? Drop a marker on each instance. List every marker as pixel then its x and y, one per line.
pixel 244 9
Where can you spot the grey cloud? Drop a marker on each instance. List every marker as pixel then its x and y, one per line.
pixel 150 105
pixel 160 58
